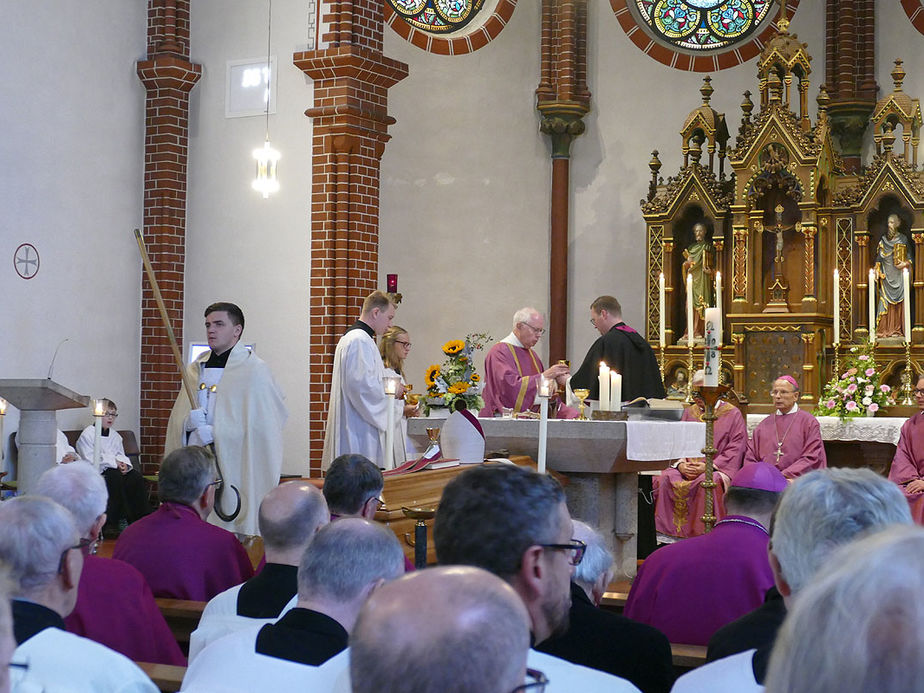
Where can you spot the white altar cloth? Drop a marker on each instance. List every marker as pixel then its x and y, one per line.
pixel 868 429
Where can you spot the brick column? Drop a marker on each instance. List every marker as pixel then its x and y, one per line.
pixel 350 123
pixel 563 99
pixel 168 76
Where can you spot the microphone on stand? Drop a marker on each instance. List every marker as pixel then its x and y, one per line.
pixel 51 367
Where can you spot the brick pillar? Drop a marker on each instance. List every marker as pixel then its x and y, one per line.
pixel 350 123
pixel 168 76
pixel 563 99
pixel 850 73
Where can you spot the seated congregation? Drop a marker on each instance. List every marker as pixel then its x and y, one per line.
pixel 515 602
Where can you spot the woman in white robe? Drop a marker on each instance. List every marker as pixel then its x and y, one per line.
pixel 395 345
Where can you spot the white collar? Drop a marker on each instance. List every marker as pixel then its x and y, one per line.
pixel 795 408
pixel 512 339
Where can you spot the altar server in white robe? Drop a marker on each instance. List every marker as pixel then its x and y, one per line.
pixel 241 411
pixel 358 412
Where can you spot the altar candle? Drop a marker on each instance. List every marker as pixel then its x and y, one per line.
pixel 713 334
pixel 98 412
pixel 906 304
pixel 2 417
pixel 690 307
pixel 871 292
pixel 604 383
pixel 545 391
pixel 615 390
pixel 837 307
pixel 718 291
pixel 662 339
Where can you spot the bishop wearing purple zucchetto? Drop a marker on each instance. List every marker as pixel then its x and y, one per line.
pixel 789 439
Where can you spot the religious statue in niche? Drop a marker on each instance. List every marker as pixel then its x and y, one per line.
pixel 892 256
pixel 699 262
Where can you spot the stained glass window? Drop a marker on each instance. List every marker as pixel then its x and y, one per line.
pixel 702 25
pixel 437 16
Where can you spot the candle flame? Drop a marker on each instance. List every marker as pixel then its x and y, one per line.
pixel 2 406
pixel 99 409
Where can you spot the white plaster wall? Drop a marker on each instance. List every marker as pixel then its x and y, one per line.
pixel 72 135
pixel 465 180
pixel 466 177
pixel 240 247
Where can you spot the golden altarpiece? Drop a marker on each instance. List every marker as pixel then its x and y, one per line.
pixel 777 225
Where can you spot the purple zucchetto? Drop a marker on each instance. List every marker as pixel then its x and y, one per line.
pixel 760 476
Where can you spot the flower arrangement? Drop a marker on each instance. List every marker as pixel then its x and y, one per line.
pixel 455 383
pixel 858 390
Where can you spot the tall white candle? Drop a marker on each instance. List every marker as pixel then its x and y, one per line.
pixel 713 334
pixel 390 431
pixel 615 391
pixel 871 291
pixel 604 382
pixel 906 304
pixel 837 306
pixel 98 412
pixel 543 431
pixel 690 307
pixel 662 332
pixel 718 291
pixel 2 417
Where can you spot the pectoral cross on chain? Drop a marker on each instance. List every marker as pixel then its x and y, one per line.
pixel 779 453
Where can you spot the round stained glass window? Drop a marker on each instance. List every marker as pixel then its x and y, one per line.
pixel 437 16
pixel 702 25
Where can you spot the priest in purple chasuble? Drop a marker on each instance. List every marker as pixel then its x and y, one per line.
pixel 512 369
pixel 690 589
pixel 907 468
pixel 789 438
pixel 680 497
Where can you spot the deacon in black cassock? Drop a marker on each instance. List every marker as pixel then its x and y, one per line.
pixel 622 349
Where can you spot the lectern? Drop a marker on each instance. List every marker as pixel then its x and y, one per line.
pixel 37 400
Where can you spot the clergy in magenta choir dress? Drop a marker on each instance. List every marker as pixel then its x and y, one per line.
pixel 690 589
pixel 680 497
pixel 789 438
pixel 512 369
pixel 908 465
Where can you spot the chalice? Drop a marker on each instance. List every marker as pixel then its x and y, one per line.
pixel 582 394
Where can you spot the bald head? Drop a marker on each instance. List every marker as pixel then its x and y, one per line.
pixel 422 632
pixel 290 514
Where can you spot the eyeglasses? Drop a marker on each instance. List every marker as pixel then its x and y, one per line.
pixel 406 345
pixel 218 482
pixel 575 547
pixel 379 500
pixel 537 681
pixel 918 393
pixel 780 393
pixel 112 414
pixel 536 330
pixel 85 546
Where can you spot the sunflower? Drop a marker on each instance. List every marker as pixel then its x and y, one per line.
pixel 458 388
pixel 453 347
pixel 433 372
pixel 475 377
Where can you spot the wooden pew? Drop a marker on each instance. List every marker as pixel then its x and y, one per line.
pixel 183 618
pixel 166 677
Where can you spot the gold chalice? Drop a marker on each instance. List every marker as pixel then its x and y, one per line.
pixel 582 394
pixel 434 435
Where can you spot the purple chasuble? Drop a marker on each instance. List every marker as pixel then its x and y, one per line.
pixel 802 447
pixel 690 589
pixel 115 608
pixel 181 555
pixel 908 463
pixel 680 502
pixel 511 378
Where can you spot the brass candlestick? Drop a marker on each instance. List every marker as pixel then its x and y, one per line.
pixel 837 360
pixel 582 394
pixel 661 363
pixel 420 533
pixel 689 399
pixel 907 399
pixel 710 395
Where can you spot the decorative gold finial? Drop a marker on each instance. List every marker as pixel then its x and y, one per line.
pixel 823 98
pixel 747 105
pixel 707 89
pixel 783 23
pixel 655 163
pixel 898 74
